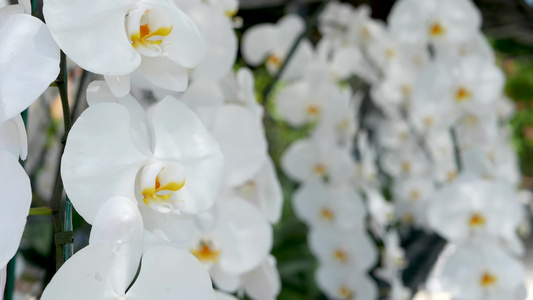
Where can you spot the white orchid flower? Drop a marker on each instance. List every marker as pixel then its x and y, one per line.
pixel 495 161
pixel 408 160
pixel 345 283
pixel 381 211
pixel 393 259
pixel 319 205
pixel 476 210
pixel 351 248
pixel 272 42
pixel 310 99
pixel 29 60
pixel 220 38
pixel 363 29
pixel 114 39
pixel 264 190
pixel 165 161
pixel 263 282
pixel 15 186
pixel 240 89
pixel 240 134
pixel 223 296
pixel 444 23
pixel 366 170
pixel 461 84
pixel 310 159
pixel 107 267
pixel 398 290
pixel 230 240
pixel 334 20
pixel 482 273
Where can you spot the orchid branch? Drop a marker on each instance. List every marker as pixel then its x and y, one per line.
pixel 310 26
pixel 60 227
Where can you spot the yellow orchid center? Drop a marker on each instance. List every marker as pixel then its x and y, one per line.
pixel 436 29
pixel 274 61
pixel 476 220
pixel 327 214
pixel 451 175
pixel 206 252
pixel 160 194
pixel 488 279
pixel 429 121
pixel 414 194
pixel 406 167
pixel 340 255
pixel 463 94
pixel 320 169
pixel 408 218
pixel 313 110
pixel 406 90
pixel 146 37
pixel 390 53
pixel 345 292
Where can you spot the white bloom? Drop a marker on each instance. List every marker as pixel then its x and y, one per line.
pixel 349 248
pixel 264 190
pixel 221 42
pixel 29 60
pixel 321 205
pixel 448 22
pixel 476 210
pixel 345 283
pixel 106 268
pixel 273 42
pixel 263 282
pixel 393 257
pixel 114 39
pixel 309 159
pixel 232 239
pixel 15 186
pixel 482 273
pixel 167 162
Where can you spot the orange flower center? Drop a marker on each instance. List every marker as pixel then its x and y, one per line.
pixel 477 220
pixel 206 252
pixel 340 255
pixel 436 29
pixel 488 280
pixel 146 37
pixel 327 214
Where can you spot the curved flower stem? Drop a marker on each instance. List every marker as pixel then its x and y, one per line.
pixel 62 236
pixel 456 150
pixel 310 26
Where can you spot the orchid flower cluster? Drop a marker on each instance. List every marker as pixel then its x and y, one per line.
pixel 181 193
pixel 406 122
pixel 433 132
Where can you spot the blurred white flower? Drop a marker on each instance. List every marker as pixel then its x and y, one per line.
pixel 272 42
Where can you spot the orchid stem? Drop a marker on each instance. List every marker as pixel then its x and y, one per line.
pixel 10 282
pixel 457 151
pixel 62 237
pixel 310 26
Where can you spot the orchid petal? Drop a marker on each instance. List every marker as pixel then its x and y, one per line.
pixel 29 62
pixel 169 273
pixel 199 155
pixel 15 186
pixel 111 154
pixel 93 34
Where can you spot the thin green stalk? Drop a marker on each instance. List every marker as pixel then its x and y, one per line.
pixel 457 151
pixel 310 26
pixel 62 237
pixel 10 283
